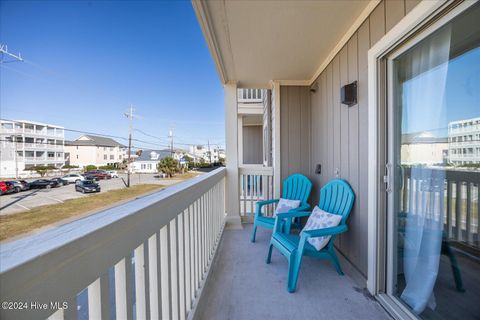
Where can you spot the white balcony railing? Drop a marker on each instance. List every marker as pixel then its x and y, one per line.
pixel 164 241
pixel 256 183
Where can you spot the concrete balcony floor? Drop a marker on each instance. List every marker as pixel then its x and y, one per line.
pixel 243 286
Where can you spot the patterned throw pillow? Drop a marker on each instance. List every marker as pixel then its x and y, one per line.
pixel 285 205
pixel 320 219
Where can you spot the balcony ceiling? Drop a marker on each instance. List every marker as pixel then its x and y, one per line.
pixel 253 42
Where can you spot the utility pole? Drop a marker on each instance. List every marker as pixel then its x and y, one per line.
pixel 209 152
pixel 170 135
pixel 4 52
pixel 130 116
pixel 14 58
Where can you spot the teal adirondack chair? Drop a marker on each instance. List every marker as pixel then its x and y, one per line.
pixel 295 187
pixel 336 197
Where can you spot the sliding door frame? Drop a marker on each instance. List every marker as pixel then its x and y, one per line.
pixel 423 20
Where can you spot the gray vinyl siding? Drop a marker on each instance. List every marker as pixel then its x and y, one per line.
pixel 295 114
pixel 252 145
pixel 339 139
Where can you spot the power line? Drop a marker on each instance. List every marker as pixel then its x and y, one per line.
pixel 166 145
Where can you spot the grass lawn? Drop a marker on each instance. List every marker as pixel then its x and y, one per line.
pixel 23 222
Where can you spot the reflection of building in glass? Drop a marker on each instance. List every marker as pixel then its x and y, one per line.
pixel 423 148
pixel 464 141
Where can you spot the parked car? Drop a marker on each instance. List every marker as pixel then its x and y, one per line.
pixel 25 184
pixel 73 177
pixel 43 184
pixel 87 186
pixel 14 186
pixel 113 173
pixel 98 174
pixel 60 181
pixel 4 187
pixel 90 177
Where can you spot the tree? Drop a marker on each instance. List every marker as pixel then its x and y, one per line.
pixel 168 165
pixel 42 170
pixel 189 161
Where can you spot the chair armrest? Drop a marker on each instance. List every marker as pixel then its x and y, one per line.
pixel 303 207
pixel 265 202
pixel 260 204
pixel 324 232
pixel 288 215
pixel 293 214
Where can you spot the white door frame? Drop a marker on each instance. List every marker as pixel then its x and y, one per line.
pixel 422 14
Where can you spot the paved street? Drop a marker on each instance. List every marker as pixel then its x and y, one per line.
pixel 17 202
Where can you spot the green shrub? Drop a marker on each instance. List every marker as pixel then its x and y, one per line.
pixel 42 170
pixel 90 167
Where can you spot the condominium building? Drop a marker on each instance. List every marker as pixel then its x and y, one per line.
pixel 464 141
pixel 209 154
pixel 25 144
pixel 94 150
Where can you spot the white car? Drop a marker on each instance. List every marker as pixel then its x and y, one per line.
pixel 73 177
pixel 113 173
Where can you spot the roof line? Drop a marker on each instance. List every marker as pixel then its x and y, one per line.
pixel 203 17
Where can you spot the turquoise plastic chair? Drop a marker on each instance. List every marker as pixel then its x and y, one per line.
pixel 295 187
pixel 336 197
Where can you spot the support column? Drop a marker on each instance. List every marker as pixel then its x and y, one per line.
pixel 232 202
pixel 276 139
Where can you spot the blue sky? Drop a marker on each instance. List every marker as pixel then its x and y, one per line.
pixel 430 111
pixel 86 62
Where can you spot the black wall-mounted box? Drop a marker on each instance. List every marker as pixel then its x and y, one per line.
pixel 348 94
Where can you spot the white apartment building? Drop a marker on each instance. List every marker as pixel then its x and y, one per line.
pixel 94 150
pixel 464 141
pixel 25 144
pixel 209 154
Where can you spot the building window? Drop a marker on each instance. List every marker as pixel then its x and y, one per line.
pixel 77 156
pixel 112 157
pixel 104 157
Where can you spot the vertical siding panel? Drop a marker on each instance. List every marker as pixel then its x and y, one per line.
pixel 344 124
pixel 362 195
pixel 394 11
pixel 377 23
pixel 305 134
pixel 324 132
pixel 317 140
pixel 352 238
pixel 336 115
pixel 330 129
pixel 293 130
pixel 410 4
pixel 336 122
pixel 344 128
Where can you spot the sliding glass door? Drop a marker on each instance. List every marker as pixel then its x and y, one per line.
pixel 433 260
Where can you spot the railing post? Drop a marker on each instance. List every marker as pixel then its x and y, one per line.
pixel 231 135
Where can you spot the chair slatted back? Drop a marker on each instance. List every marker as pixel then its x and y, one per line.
pixel 297 187
pixel 337 197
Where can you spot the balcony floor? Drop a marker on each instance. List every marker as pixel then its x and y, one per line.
pixel 243 286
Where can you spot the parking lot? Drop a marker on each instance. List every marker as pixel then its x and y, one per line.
pixel 26 200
